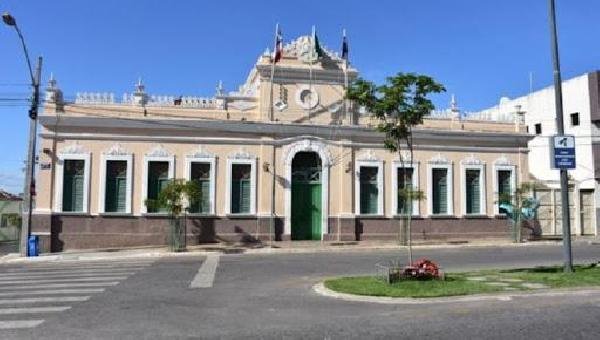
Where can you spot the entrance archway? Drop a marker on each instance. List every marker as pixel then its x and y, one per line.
pixel 306 214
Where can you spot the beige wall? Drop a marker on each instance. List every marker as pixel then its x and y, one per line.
pixel 341 174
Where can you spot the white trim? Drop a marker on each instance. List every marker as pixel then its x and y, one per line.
pixel 211 160
pixel 480 166
pixel 158 154
pixel 380 186
pixel 104 158
pixel 68 155
pixel 415 184
pixel 308 145
pixel 241 158
pixel 513 183
pixel 440 163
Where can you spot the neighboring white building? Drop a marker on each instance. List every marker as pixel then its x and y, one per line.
pixel 581 115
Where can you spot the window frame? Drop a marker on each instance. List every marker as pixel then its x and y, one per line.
pixel 449 188
pixel 248 161
pixel 513 183
pixel 380 186
pixel 171 175
pixel 482 192
pixel 102 190
pixel 396 165
pixel 59 177
pixel 535 127
pixel 212 177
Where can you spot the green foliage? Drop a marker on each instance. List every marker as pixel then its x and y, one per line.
pixel 15 219
pixel 174 195
pixel 399 104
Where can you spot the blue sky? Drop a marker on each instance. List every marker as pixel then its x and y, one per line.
pixel 480 50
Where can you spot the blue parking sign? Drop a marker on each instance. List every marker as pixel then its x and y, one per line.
pixel 563 152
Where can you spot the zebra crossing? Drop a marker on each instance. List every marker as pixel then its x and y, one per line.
pixel 30 293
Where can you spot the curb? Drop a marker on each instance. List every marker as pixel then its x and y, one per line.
pixel 320 248
pixel 320 289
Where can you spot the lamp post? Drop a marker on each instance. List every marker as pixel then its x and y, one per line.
pixel 564 180
pixel 29 186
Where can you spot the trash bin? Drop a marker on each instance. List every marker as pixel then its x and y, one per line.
pixel 33 246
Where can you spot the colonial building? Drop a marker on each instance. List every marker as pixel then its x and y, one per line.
pixel 284 147
pixel 581 116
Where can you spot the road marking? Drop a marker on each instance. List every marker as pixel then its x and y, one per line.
pixel 79 267
pixel 45 299
pixel 54 275
pixel 86 279
pixel 61 285
pixel 55 292
pixel 206 274
pixel 19 324
pixel 33 310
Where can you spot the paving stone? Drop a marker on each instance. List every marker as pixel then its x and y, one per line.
pixel 510 288
pixel 498 284
pixel 534 285
pixel 511 280
pixel 477 278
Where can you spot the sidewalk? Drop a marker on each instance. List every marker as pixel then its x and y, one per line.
pixel 281 247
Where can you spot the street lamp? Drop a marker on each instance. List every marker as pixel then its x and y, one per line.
pixel 29 186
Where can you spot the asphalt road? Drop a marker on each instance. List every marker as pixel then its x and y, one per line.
pixel 270 296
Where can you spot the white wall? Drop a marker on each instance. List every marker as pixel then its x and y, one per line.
pixel 539 108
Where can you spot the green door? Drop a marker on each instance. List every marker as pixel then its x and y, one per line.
pixel 306 197
pixel 306 210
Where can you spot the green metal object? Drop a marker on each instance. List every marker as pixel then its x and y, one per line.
pixel 306 204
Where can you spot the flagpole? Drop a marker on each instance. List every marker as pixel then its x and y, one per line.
pixel 271 112
pixel 272 118
pixel 312 50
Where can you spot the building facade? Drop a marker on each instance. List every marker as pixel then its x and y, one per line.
pixel 284 157
pixel 581 116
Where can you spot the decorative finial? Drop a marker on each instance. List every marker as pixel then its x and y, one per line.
pixel 453 104
pixel 220 90
pixel 139 87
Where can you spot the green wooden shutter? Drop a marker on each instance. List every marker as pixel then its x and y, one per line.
pixel 404 206
pixel 472 179
pixel 200 173
pixel 369 192
pixel 440 191
pixel 240 189
pixel 116 186
pixel 158 179
pixel 504 186
pixel 73 179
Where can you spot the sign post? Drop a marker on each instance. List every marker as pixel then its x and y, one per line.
pixel 563 152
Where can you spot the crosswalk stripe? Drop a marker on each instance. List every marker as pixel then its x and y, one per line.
pixel 206 274
pixel 55 292
pixel 33 310
pixel 61 285
pixel 19 324
pixel 50 268
pixel 53 275
pixel 85 279
pixel 44 299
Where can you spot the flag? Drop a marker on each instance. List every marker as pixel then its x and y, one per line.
pixel 278 51
pixel 344 47
pixel 317 50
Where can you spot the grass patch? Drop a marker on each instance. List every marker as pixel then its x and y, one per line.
pixel 457 283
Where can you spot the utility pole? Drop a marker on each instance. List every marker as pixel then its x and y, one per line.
pixel 564 180
pixel 29 186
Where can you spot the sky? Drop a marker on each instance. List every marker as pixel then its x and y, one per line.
pixel 480 50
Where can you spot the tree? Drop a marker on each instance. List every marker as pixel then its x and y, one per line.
pixel 398 105
pixel 172 198
pixel 519 206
